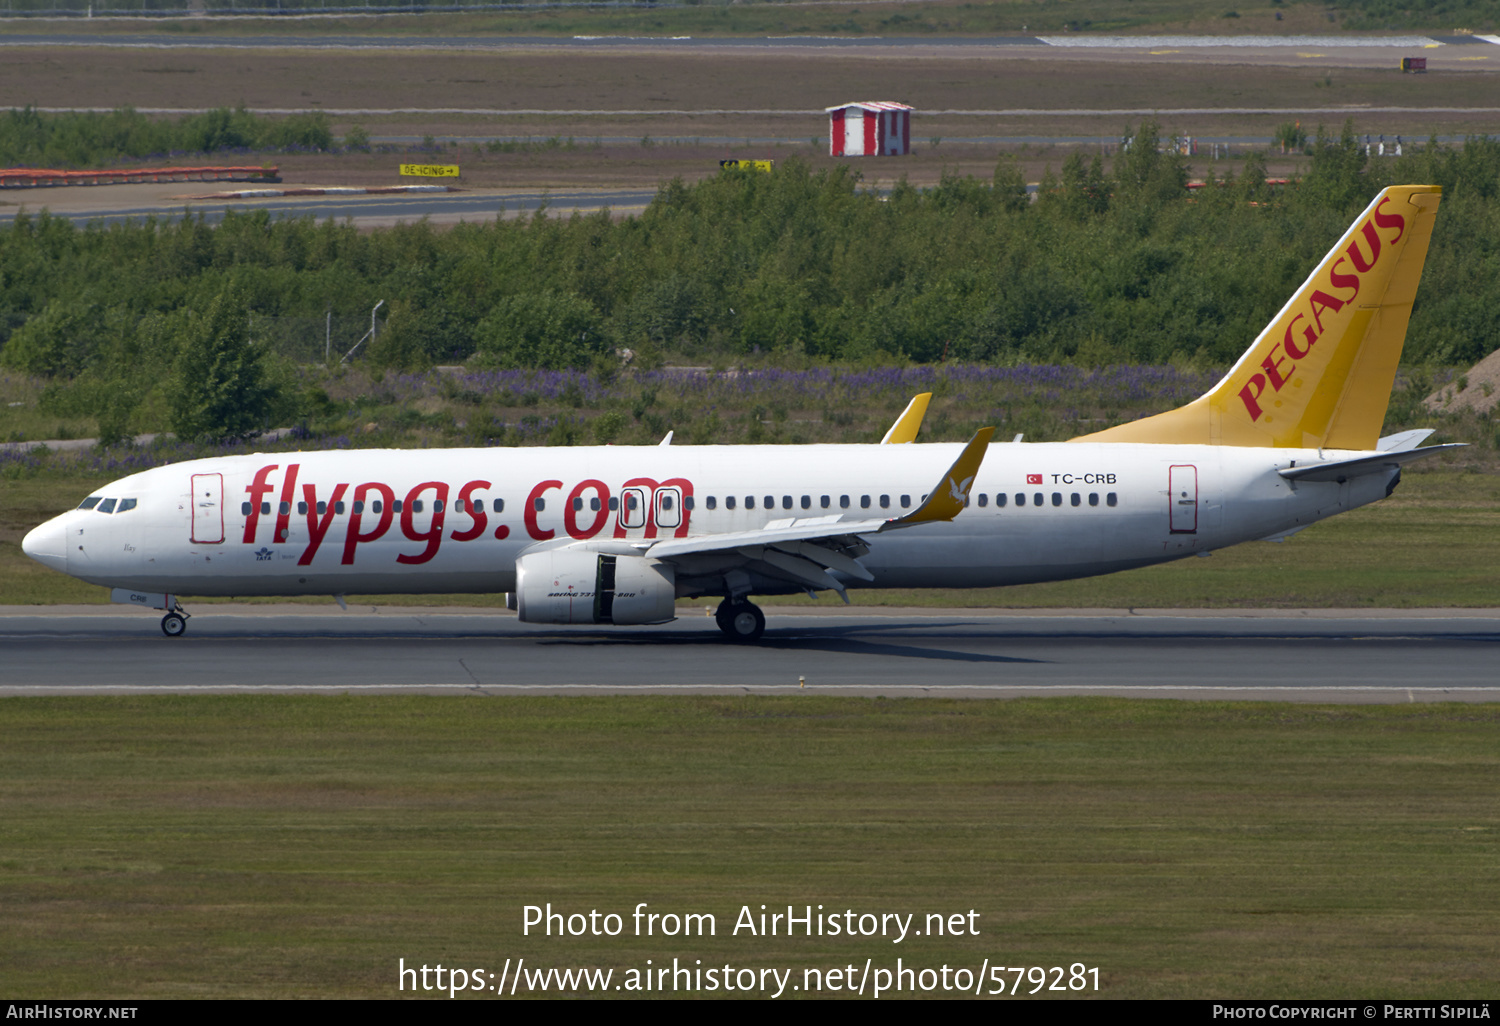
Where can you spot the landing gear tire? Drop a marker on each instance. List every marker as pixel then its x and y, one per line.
pixel 740 621
pixel 173 624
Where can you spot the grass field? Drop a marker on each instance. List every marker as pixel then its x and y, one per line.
pixel 1435 542
pixel 298 846
pixel 884 17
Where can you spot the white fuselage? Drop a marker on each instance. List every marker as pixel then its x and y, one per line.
pixel 244 525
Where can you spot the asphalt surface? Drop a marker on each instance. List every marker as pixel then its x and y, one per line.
pixel 320 41
pixel 366 210
pixel 375 42
pixel 906 653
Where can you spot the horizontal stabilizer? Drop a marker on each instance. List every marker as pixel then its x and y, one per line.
pixel 1401 441
pixel 1343 470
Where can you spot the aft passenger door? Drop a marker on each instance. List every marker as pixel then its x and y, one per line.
pixel 208 509
pixel 1182 494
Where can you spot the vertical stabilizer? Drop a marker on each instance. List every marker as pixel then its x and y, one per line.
pixel 1320 374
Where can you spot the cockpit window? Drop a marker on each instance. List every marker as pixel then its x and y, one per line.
pixel 124 505
pixel 90 502
pixel 107 506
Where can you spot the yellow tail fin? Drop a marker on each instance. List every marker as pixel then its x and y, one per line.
pixel 1321 373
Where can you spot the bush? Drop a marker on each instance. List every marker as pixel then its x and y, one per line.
pixel 219 388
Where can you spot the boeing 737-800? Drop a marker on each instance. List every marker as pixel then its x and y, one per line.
pixel 615 534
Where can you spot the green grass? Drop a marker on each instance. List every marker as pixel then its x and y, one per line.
pixel 298 846
pixel 1434 543
pixel 948 17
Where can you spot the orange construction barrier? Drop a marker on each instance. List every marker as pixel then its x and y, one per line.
pixel 27 177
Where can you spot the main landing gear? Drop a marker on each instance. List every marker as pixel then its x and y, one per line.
pixel 175 623
pixel 740 621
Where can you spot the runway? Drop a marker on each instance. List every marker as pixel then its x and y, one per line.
pixel 331 41
pixel 1282 657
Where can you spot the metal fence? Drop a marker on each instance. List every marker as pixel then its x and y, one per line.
pixel 326 339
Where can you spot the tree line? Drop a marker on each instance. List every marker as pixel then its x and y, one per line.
pixel 1117 264
pixel 31 138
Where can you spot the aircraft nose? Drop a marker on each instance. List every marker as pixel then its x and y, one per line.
pixel 48 544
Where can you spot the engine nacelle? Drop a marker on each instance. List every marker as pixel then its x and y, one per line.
pixel 576 586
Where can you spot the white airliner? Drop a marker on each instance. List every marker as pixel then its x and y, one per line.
pixel 615 534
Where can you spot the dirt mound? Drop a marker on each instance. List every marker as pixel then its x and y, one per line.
pixel 1478 390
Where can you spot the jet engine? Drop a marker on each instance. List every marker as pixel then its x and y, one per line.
pixel 578 586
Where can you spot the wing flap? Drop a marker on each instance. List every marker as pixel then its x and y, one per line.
pixel 794 531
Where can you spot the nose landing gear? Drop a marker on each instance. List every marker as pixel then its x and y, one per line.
pixel 740 621
pixel 175 622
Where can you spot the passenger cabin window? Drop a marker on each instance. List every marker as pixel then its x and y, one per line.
pixel 885 502
pixel 864 502
pixel 1111 499
pixel 749 502
pixel 1077 499
pixel 322 508
pixel 843 502
pixel 1057 498
pixel 93 500
pixel 284 508
pixel 825 501
pixel 376 506
pixel 498 506
pixel 594 504
pixel 905 501
pixel 416 505
pixel 807 502
pixel 1037 499
pixel 614 503
pixel 338 507
pixel 1000 499
pixel 666 500
pixel 687 503
pixel 541 504
pixel 711 502
pixel 984 500
pixel 577 505
pixel 302 509
pixel 729 502
pixel 1093 498
pixel 107 506
pixel 265 509
pixel 771 502
pixel 359 506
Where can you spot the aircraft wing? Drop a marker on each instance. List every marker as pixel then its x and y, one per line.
pixel 1343 470
pixel 803 549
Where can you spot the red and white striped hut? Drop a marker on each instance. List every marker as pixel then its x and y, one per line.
pixel 873 128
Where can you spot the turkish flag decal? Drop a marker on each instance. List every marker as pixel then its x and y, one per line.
pixel 1033 478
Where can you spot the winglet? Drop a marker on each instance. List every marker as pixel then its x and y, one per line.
pixel 950 496
pixel 909 423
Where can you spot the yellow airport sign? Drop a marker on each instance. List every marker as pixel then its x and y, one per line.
pixel 431 170
pixel 746 165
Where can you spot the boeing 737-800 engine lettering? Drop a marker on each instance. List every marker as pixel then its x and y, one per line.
pixel 616 534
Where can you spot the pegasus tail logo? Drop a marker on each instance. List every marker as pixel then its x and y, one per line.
pixel 960 492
